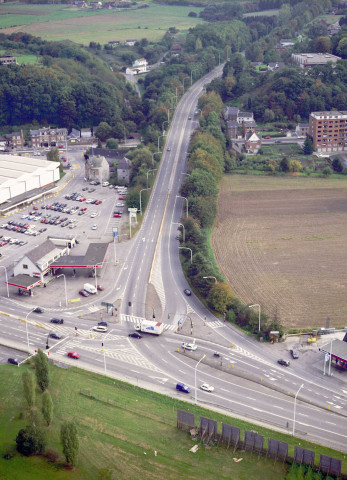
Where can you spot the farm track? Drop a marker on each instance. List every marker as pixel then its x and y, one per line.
pixel 284 248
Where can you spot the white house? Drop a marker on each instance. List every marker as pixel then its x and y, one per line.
pixel 36 262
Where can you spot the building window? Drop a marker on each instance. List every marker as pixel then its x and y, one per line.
pixel 25 267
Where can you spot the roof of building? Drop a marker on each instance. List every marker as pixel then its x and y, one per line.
pixel 337 348
pixel 332 114
pixel 24 281
pixel 15 168
pixel 249 123
pixel 41 251
pixel 245 114
pixel 94 257
pixel 316 58
pixel 124 164
pixel 251 137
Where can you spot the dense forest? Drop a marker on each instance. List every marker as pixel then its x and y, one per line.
pixel 69 86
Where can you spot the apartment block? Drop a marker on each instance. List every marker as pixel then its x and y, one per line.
pixel 328 131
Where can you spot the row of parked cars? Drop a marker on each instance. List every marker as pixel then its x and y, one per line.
pixel 80 198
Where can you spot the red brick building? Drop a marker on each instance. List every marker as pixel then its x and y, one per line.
pixel 328 131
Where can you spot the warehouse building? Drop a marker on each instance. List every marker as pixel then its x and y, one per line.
pixel 22 176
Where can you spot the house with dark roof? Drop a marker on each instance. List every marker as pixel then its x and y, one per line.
pixel 124 168
pixel 36 263
pixel 14 139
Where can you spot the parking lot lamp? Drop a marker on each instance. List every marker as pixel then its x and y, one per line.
pixel 63 275
pixel 151 170
pixel 195 369
pixel 215 280
pixel 256 305
pixel 2 266
pixel 186 199
pixel 144 189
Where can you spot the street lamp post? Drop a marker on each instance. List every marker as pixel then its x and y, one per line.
pixel 191 253
pixel 295 395
pixel 195 369
pixel 184 231
pixel 151 170
pixel 186 199
pixel 26 326
pixel 210 276
pixel 159 139
pixel 191 75
pixel 155 153
pixel 140 198
pixel 185 78
pixel 2 266
pixel 256 305
pixel 63 275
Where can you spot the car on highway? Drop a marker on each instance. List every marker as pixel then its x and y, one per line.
pixel 55 335
pixel 206 387
pixel 83 293
pixel 39 310
pixel 285 363
pixel 100 328
pixel 135 335
pixel 294 353
pixel 189 346
pixel 13 361
pixel 59 321
pixel 189 118
pixel 187 292
pixel 267 138
pixel 73 355
pixel 169 149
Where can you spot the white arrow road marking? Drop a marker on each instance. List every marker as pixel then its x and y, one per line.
pixel 161 380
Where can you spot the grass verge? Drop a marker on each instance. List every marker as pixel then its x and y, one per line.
pixel 120 426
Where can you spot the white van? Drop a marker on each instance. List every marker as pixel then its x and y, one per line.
pixel 89 288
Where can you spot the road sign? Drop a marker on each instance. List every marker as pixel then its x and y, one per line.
pixel 132 210
pixel 115 232
pixel 327 356
pixel 105 304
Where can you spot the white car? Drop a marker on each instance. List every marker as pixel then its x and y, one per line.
pixel 100 328
pixel 105 184
pixel 207 388
pixel 119 204
pixel 24 216
pixel 93 215
pixel 190 346
pixel 89 200
pixel 94 227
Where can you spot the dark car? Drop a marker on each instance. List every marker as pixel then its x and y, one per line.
pixel 39 310
pixel 57 320
pixel 285 363
pixel 55 335
pixel 135 335
pixel 187 292
pixel 104 323
pixel 13 361
pixel 294 353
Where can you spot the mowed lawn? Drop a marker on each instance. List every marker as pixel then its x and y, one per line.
pixel 58 22
pixel 120 429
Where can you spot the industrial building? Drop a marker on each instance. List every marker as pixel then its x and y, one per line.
pixel 20 176
pixel 305 60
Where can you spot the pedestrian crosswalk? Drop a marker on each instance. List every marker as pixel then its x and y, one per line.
pixel 134 319
pixel 215 324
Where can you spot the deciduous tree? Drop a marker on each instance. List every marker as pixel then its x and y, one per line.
pixel 29 387
pixel 70 441
pixel 42 370
pixel 47 407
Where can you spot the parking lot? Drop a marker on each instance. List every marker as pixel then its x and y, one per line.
pixel 90 209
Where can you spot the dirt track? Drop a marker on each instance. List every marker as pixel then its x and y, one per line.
pixel 281 242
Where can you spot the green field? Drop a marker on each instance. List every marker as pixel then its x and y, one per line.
pixel 58 22
pixel 120 426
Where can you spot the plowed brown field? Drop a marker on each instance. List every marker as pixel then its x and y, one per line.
pixel 282 243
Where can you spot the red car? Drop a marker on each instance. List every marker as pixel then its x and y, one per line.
pixel 98 202
pixel 43 220
pixel 83 293
pixel 48 207
pixel 3 243
pixel 83 199
pixel 26 225
pixel 73 355
pixel 117 215
pixel 35 207
pixel 267 138
pixel 100 287
pixel 122 197
pixel 83 209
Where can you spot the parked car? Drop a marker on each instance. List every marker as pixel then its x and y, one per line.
pixel 73 355
pixel 100 287
pixel 13 361
pixel 99 202
pixel 94 227
pixel 117 215
pixel 294 353
pixel 206 387
pixel 83 293
pixel 104 323
pixel 60 321
pixel 100 328
pixel 135 335
pixel 119 204
pixel 285 363
pixel 55 335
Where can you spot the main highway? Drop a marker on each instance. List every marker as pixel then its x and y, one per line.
pixel 247 380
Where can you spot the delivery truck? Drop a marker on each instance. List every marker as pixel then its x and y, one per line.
pixel 89 288
pixel 147 326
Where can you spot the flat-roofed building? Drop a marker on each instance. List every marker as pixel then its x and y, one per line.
pixel 305 60
pixel 328 131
